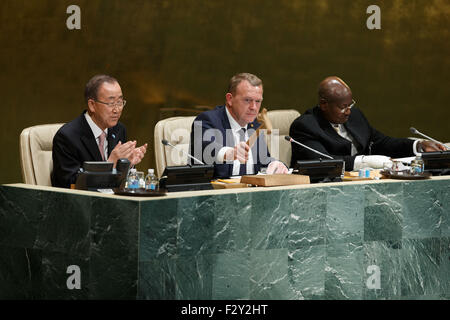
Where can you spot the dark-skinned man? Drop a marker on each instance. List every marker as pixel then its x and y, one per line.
pixel 337 128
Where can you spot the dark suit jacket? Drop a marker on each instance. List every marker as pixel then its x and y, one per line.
pixel 214 140
pixel 313 130
pixel 75 143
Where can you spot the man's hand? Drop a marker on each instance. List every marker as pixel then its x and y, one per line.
pixel 430 146
pixel 138 154
pixel 129 151
pixel 277 167
pixel 122 151
pixel 239 152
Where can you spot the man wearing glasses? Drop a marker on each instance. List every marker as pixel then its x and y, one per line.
pixel 95 135
pixel 337 128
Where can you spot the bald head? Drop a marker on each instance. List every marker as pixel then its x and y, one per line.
pixel 333 89
pixel 335 97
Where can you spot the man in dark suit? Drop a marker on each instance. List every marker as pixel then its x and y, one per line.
pixel 337 128
pixel 95 135
pixel 219 136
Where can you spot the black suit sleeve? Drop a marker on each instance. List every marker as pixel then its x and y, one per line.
pixel 303 134
pixel 66 163
pixel 390 146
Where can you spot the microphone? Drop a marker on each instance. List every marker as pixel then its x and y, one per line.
pixel 415 131
pixel 304 146
pixel 167 143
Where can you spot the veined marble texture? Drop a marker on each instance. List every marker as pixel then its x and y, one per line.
pixel 386 240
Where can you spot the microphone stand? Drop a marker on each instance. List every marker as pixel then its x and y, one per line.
pixel 288 138
pixel 415 131
pixel 167 143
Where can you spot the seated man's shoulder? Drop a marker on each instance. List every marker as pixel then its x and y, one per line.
pixel 305 119
pixel 70 128
pixel 211 113
pixel 213 116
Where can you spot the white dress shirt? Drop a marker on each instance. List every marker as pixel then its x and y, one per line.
pixel 235 127
pixel 97 132
pixel 340 129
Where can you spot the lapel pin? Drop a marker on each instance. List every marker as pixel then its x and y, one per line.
pixel 113 135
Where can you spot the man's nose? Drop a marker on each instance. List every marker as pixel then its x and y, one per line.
pixel 253 104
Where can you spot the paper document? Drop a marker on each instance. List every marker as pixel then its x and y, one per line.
pixel 107 191
pixel 405 160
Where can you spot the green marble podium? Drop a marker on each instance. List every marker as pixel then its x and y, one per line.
pixel 387 239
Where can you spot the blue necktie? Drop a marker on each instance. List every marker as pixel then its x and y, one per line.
pixel 243 166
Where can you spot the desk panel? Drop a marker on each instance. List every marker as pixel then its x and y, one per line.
pixel 386 239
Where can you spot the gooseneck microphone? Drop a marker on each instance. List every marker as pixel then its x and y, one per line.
pixel 415 131
pixel 167 143
pixel 288 138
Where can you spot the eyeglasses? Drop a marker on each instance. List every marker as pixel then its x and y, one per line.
pixel 118 104
pixel 344 109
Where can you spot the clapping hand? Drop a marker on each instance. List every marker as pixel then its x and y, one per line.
pixel 129 151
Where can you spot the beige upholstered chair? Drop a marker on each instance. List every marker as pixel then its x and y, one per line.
pixel 279 148
pixel 177 131
pixel 36 153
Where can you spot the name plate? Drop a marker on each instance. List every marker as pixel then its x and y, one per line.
pixel 272 180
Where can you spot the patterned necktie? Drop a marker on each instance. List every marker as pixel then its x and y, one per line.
pixel 101 144
pixel 243 166
pixel 337 129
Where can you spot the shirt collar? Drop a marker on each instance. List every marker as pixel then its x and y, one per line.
pixel 233 123
pixel 94 127
pixel 337 126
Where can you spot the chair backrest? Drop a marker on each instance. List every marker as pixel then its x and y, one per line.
pixel 279 148
pixel 36 153
pixel 177 131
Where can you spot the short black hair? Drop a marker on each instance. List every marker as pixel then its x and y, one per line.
pixel 91 89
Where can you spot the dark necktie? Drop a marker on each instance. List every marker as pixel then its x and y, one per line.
pixel 243 166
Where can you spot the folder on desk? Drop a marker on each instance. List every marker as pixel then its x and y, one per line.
pixel 272 180
pixel 228 184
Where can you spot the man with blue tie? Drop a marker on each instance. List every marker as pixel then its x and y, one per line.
pixel 219 136
pixel 95 135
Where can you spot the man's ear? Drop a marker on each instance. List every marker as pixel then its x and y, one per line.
pixel 91 106
pixel 229 98
pixel 323 104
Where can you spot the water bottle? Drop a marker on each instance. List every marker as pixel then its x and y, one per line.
pixel 141 179
pixel 132 179
pixel 417 166
pixel 151 181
